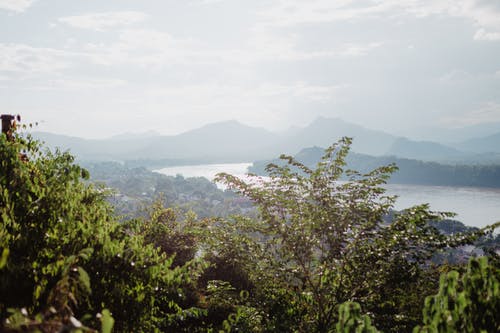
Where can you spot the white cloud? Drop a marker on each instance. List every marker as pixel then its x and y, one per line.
pixel 293 12
pixel 257 103
pixel 455 76
pixel 358 49
pixel 487 113
pixel 208 2
pixel 150 48
pixel 22 58
pixel 301 90
pixel 78 84
pixel 156 49
pixel 43 69
pixel 483 14
pixel 16 5
pixel 481 34
pixel 103 21
pixel 267 45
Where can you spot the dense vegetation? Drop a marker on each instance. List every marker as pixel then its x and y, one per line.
pixel 317 258
pixel 410 171
pixel 137 187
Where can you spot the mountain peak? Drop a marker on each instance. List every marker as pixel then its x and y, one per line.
pixel 135 135
pixel 323 119
pixel 230 122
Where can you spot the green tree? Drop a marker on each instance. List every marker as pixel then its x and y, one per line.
pixel 65 256
pixel 465 303
pixel 352 321
pixel 320 242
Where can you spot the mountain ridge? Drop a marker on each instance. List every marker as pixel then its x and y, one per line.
pixel 231 141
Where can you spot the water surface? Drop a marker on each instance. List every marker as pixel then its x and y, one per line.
pixel 474 206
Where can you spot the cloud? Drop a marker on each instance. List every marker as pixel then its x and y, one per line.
pixel 299 89
pixel 150 48
pixel 487 113
pixel 208 2
pixel 294 12
pixel 455 76
pixel 22 58
pixel 257 103
pixel 286 13
pixel 103 21
pixel 78 84
pixel 44 69
pixel 358 49
pixel 16 5
pixel 481 34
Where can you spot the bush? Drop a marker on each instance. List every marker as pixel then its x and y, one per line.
pixel 465 303
pixel 65 256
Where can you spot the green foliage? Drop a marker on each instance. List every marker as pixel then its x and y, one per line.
pixel 465 303
pixel 65 255
pixel 320 251
pixel 3 258
pixel 351 320
pixel 107 321
pixel 410 171
pixel 174 237
pixel 231 308
pixel 138 187
pixel 320 242
pixel 19 321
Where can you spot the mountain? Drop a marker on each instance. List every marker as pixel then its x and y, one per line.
pixel 410 171
pixel 115 148
pixel 325 131
pixel 134 136
pixel 454 135
pixel 485 144
pixel 219 142
pixel 422 150
pixel 222 142
pixel 228 141
pixel 231 141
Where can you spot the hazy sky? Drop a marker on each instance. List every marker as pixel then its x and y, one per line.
pixel 98 68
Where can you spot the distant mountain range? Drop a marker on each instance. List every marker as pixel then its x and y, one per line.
pixel 410 171
pixel 486 144
pixel 231 141
pixel 423 150
pixel 453 135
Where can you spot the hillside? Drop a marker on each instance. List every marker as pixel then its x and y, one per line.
pixel 231 141
pixel 422 150
pixel 487 144
pixel 324 131
pixel 410 171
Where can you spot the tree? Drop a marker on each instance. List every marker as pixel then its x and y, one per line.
pixel 468 302
pixel 320 242
pixel 65 256
pixel 351 320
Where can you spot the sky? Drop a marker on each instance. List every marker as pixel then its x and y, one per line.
pixel 99 68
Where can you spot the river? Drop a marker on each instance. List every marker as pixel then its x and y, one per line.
pixel 474 206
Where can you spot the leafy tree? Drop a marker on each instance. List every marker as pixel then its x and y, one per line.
pixel 465 303
pixel 65 257
pixel 352 321
pixel 320 242
pixel 174 237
